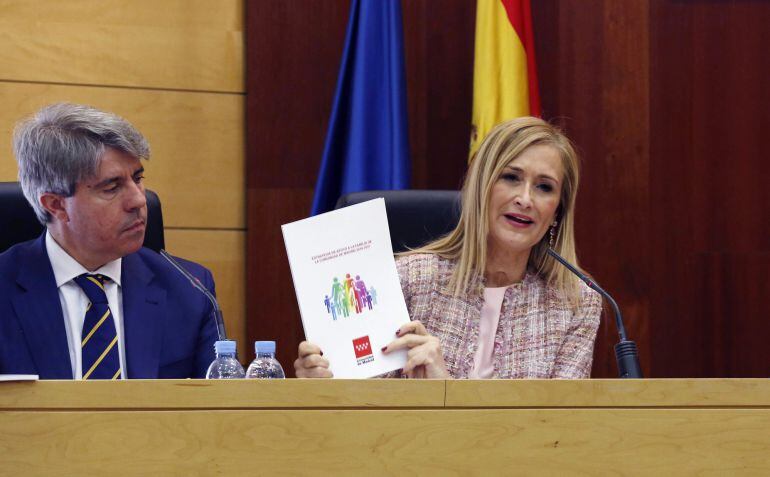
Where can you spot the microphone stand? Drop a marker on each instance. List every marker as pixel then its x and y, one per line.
pixel 626 353
pixel 218 319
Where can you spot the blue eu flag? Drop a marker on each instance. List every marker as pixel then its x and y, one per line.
pixel 367 144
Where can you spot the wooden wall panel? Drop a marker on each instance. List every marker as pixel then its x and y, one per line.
pixel 439 76
pixel 196 140
pixel 177 14
pixel 708 184
pixel 222 252
pixel 731 308
pixel 294 49
pixel 171 44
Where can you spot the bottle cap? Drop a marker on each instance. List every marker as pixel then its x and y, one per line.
pixel 224 347
pixel 264 347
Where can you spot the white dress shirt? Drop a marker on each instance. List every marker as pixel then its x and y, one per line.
pixel 74 301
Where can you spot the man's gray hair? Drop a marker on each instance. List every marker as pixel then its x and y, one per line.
pixel 62 144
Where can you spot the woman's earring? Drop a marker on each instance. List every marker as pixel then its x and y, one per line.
pixel 552 238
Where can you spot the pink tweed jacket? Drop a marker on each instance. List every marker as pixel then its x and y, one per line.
pixel 538 335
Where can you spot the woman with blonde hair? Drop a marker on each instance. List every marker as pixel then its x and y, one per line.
pixel 486 300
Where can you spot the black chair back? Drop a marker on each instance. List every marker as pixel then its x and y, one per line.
pixel 415 217
pixel 18 222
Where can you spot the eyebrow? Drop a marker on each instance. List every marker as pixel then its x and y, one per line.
pixel 540 176
pixel 112 180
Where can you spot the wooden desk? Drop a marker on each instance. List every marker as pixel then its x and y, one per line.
pixel 397 427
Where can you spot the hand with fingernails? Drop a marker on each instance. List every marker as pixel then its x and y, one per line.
pixel 424 358
pixel 311 363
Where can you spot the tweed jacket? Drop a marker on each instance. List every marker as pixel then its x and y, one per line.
pixel 538 335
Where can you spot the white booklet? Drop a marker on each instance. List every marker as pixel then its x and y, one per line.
pixel 347 287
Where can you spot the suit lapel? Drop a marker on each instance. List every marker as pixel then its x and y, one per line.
pixel 143 305
pixel 39 312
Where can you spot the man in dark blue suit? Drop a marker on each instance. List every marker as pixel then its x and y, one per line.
pixel 85 300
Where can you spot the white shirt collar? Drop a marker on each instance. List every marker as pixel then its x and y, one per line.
pixel 65 268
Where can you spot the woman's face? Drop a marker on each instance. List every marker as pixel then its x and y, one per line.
pixel 524 199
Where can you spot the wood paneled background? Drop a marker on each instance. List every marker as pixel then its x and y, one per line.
pixel 709 68
pixel 666 102
pixel 173 68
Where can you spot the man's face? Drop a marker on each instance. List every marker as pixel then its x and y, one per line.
pixel 106 217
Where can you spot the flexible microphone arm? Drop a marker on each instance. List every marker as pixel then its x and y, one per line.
pixel 626 353
pixel 218 319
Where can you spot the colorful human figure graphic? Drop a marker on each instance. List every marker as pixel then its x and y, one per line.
pixel 337 292
pixel 360 288
pixel 330 307
pixel 349 296
pixel 345 305
pixel 348 285
pixel 355 299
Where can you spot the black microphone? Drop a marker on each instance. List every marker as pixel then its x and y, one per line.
pixel 626 353
pixel 220 322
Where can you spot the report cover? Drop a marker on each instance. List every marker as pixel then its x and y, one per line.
pixel 347 287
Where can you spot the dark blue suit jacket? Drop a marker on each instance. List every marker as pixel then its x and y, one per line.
pixel 169 330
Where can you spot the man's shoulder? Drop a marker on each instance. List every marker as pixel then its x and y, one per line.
pixel 159 266
pixel 14 257
pixel 21 248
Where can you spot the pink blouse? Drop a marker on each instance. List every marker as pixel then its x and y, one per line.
pixel 483 363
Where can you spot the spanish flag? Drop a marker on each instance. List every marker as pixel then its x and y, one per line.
pixel 504 74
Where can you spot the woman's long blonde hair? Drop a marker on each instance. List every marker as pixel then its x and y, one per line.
pixel 467 243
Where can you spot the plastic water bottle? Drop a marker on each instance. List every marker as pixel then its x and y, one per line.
pixel 265 366
pixel 225 366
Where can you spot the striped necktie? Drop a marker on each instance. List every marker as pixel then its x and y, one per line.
pixel 99 340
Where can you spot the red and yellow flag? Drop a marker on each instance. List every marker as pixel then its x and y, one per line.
pixel 504 74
